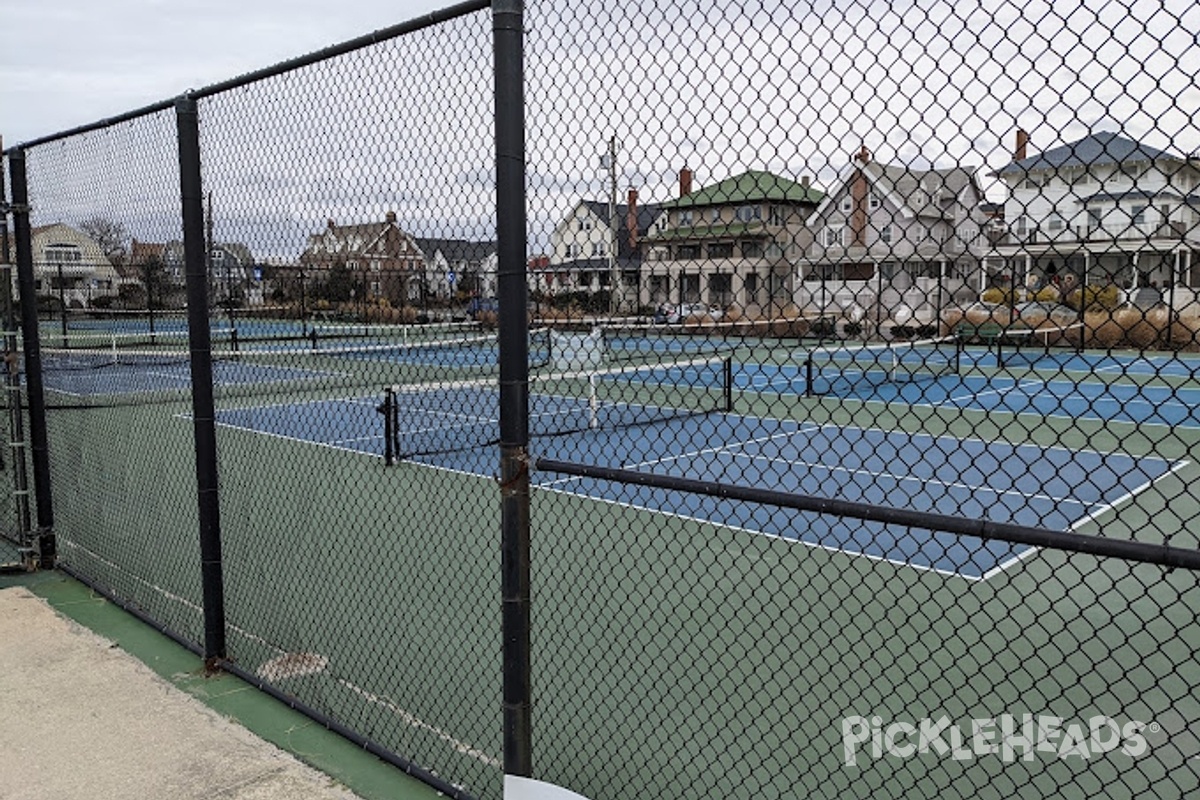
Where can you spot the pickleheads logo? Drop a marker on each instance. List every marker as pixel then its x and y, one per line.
pixel 1009 737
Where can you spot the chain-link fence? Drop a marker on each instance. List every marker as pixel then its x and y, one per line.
pixel 709 400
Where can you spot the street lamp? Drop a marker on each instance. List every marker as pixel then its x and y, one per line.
pixel 609 160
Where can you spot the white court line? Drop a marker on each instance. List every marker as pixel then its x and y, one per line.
pixel 1092 515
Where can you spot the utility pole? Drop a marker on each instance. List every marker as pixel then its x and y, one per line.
pixel 614 277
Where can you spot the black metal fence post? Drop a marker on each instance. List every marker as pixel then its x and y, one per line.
pixel 512 292
pixel 34 388
pixel 203 406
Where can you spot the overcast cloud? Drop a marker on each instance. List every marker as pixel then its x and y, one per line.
pixel 719 86
pixel 71 62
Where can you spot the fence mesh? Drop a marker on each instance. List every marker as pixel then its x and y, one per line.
pixel 795 272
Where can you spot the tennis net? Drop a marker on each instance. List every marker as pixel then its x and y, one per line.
pixel 845 370
pixel 1029 346
pixel 117 374
pixel 432 418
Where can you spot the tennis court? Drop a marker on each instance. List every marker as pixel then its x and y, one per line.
pixel 988 480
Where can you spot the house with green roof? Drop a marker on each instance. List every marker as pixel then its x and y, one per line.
pixel 730 244
pixel 1102 210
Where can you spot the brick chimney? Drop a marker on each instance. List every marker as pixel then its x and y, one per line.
pixel 390 218
pixel 631 220
pixel 330 224
pixel 685 182
pixel 1020 151
pixel 858 199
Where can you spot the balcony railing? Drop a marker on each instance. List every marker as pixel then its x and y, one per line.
pixel 1157 231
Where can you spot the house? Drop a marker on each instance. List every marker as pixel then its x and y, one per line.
pixel 383 259
pixel 589 254
pixel 1102 210
pixel 730 244
pixel 894 241
pixel 71 266
pixel 230 268
pixel 458 265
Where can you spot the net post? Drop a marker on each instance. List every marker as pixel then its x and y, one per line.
pixel 727 383
pixel 593 403
pixel 808 376
pixel 388 409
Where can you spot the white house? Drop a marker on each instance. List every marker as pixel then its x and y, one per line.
pixel 454 264
pixel 596 246
pixel 69 263
pixel 1101 210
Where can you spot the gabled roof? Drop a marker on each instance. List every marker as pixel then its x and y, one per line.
pixel 457 251
pixel 749 187
pixel 647 214
pixel 1095 149
pixel 914 192
pixel 917 189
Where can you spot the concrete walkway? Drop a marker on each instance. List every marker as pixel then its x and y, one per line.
pixel 95 704
pixel 81 718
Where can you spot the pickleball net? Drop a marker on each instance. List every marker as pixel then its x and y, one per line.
pixel 455 416
pixel 845 370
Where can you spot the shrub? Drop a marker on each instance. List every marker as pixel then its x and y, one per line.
pixel 996 296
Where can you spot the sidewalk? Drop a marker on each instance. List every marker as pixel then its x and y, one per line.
pixel 94 704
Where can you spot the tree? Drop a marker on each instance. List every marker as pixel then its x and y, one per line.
pixel 110 235
pixel 337 287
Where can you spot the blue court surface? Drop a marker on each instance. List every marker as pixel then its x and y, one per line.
pixel 1053 488
pixel 1044 393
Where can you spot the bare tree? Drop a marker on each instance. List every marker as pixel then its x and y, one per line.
pixel 110 235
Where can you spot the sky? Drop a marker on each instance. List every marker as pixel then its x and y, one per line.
pixel 794 87
pixel 71 62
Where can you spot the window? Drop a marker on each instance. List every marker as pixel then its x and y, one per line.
pixel 1055 223
pixel 714 214
pixel 1138 217
pixel 748 213
pixel 1022 226
pixel 63 254
pixel 1083 179
pixel 885 234
pixel 574 250
pixel 688 251
pixel 833 236
pixel 847 203
pixel 686 218
pixel 752 249
pixel 585 223
pixel 599 248
pixel 873 200
pixel 720 250
pixel 778 216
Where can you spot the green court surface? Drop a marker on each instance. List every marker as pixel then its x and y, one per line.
pixel 669 653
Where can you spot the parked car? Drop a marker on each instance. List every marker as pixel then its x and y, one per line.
pixel 692 311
